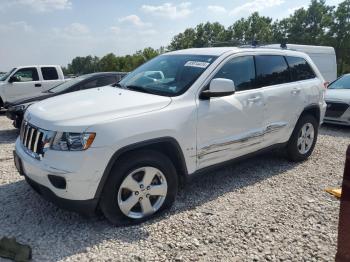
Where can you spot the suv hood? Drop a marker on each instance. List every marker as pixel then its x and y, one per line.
pixel 342 95
pixel 76 111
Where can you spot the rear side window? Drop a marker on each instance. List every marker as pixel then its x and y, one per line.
pixel 300 68
pixel 241 71
pixel 106 80
pixel 49 73
pixel 271 70
pixel 89 84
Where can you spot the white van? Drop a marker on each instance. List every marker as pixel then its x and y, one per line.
pixel 324 58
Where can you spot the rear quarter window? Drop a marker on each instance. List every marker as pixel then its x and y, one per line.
pixel 49 73
pixel 271 70
pixel 300 68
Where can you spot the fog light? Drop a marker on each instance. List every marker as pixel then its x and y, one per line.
pixel 57 181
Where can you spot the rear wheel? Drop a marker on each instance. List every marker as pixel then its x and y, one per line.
pixel 303 140
pixel 140 186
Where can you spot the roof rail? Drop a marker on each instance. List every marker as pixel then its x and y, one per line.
pixel 253 44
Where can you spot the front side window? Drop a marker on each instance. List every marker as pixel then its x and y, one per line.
pixel 167 75
pixel 271 70
pixel 241 71
pixel 341 83
pixel 49 73
pixel 300 69
pixel 26 75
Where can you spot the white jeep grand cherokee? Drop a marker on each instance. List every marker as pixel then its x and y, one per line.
pixel 124 149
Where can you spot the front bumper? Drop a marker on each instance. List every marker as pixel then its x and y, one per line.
pixel 342 119
pixel 81 170
pixel 84 207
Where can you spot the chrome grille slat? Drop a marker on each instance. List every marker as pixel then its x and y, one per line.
pixel 29 145
pixel 36 141
pixel 33 139
pixel 28 136
pixel 25 136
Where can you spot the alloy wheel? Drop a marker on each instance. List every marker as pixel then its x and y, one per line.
pixel 306 138
pixel 142 192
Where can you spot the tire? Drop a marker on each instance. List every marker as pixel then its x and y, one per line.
pixel 134 167
pixel 295 148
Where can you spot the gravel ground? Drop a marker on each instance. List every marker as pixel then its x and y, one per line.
pixel 265 208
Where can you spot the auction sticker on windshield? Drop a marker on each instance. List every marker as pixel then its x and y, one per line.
pixel 197 64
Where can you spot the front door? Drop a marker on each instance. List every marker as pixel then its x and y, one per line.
pixel 231 126
pixel 27 84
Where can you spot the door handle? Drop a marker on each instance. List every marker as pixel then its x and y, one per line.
pixel 37 85
pixel 254 99
pixel 296 91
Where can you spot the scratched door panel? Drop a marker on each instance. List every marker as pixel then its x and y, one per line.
pixel 229 127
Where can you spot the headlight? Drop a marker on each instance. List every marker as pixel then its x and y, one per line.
pixel 21 107
pixel 65 141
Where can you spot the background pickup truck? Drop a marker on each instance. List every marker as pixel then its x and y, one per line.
pixel 26 81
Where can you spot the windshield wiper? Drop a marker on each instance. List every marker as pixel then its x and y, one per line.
pixel 117 85
pixel 138 88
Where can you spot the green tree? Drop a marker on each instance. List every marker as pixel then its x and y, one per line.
pixel 255 27
pixel 183 40
pixel 318 24
pixel 108 63
pixel 340 31
pixel 83 65
pixel 209 34
pixel 306 26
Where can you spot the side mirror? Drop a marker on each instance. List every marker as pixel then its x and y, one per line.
pixel 13 79
pixel 219 87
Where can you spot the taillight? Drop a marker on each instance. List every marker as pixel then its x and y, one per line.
pixel 326 84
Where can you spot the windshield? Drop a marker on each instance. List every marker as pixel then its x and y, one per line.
pixel 5 76
pixel 168 75
pixel 67 84
pixel 341 83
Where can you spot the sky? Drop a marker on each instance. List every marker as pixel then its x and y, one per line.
pixel 56 31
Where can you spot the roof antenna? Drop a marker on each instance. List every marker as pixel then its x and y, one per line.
pixel 284 44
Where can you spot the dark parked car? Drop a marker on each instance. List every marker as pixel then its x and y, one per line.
pixel 16 109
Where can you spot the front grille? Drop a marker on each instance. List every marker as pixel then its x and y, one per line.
pixel 34 139
pixel 336 109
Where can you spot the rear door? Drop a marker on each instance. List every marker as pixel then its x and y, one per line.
pixel 27 84
pixel 231 126
pixel 283 97
pixel 50 77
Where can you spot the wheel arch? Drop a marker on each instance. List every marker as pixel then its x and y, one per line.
pixel 313 110
pixel 166 145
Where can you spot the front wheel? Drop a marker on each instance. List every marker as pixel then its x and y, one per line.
pixel 140 185
pixel 303 140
